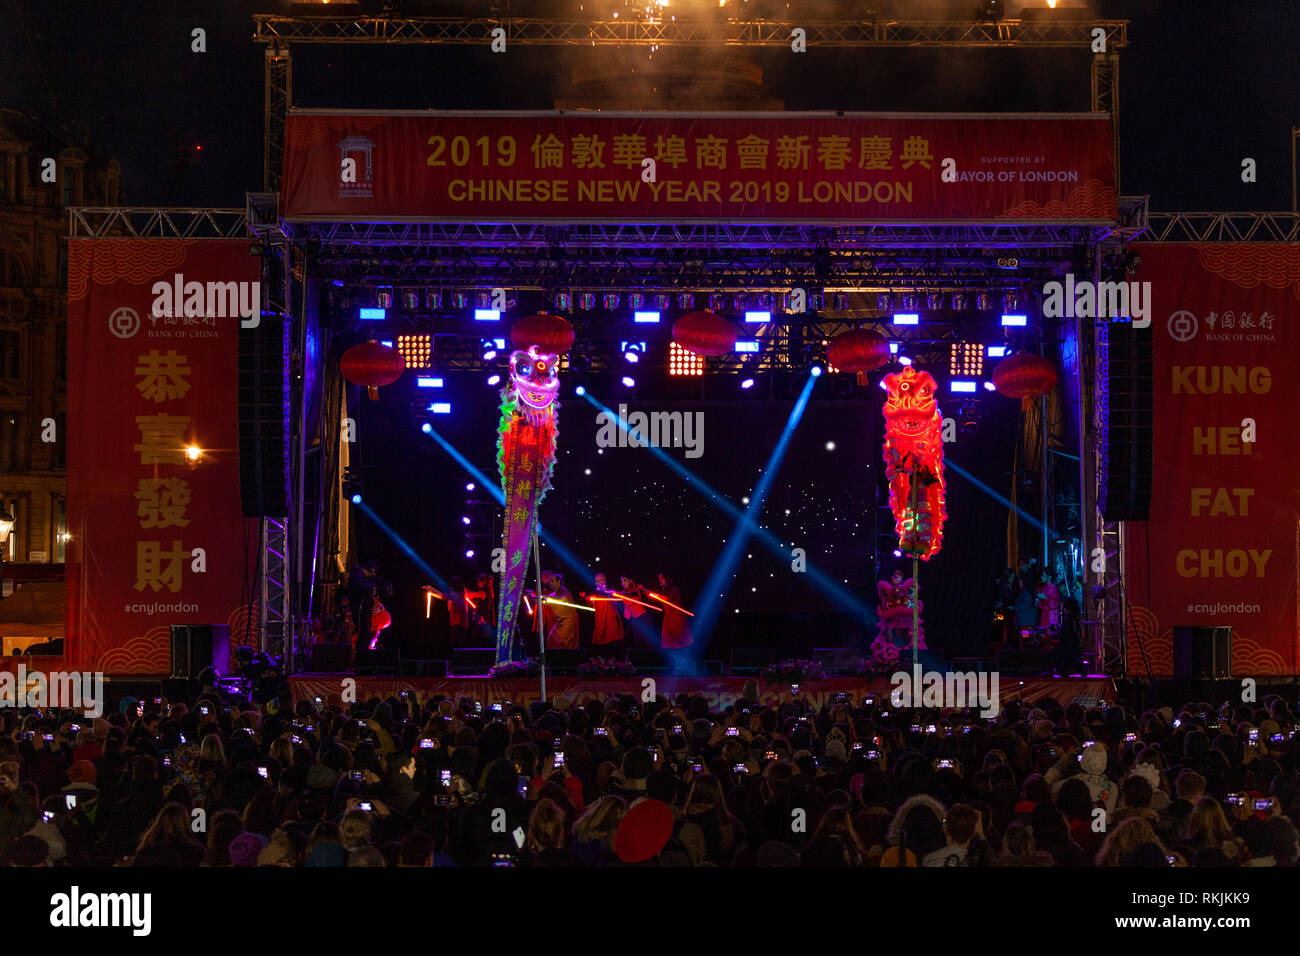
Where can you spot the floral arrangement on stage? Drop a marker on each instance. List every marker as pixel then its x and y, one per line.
pixel 606 667
pixel 792 670
pixel 528 667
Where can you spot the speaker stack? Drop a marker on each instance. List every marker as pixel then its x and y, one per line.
pixel 264 420
pixel 1124 484
pixel 195 647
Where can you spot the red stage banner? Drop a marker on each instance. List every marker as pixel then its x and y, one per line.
pixel 732 167
pixel 720 692
pixel 1220 547
pixel 153 474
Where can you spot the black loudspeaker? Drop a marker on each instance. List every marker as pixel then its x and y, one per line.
pixel 1127 428
pixel 564 661
pixel 749 660
pixel 838 660
pixel 328 658
pixel 264 420
pixel 1202 653
pixel 382 660
pixel 195 647
pixel 473 660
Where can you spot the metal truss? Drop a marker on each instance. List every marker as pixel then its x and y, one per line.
pixel 1041 32
pixel 278 97
pixel 151 222
pixel 273 620
pixel 682 257
pixel 1104 598
pixel 1221 227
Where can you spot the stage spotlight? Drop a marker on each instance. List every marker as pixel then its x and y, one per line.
pixel 984 302
pixel 636 300
pixel 904 360
pixel 897 553
pixel 884 302
pixel 990 10
pixel 961 386
pixel 686 301
pixel 662 302
pixel 356 499
pixel 464 519
pixel 934 301
pixel 387 345
pixel 371 315
pixel 632 356
pixel 489 355
pixel 563 301
pixel 997 351
pixel 747 383
pixel 586 301
pixel 683 361
pixel 645 318
pixel 1008 320
pixel 966 358
pixel 416 350
pixel 1010 302
pixel 193 454
pixel 494 380
pixel 609 301
pixel 830 446
pixel 470 486
pixel 487 315
pixel 579 391
pixel 893 348
pixel 410 299
pixel 757 318
pixel 440 408
pixel 905 318
pixel 990 387
pixel 427 428
pixel 747 346
pixel 629 381
pixel 959 302
pixel 883 386
pixel 384 298
pixel 469 552
pixel 428 381
pixel 815 371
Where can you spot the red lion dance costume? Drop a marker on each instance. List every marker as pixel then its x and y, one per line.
pixel 914 469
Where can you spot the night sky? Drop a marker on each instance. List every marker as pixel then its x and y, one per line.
pixel 1203 84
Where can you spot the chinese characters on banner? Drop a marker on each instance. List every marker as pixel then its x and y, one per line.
pixel 759 167
pixel 1220 546
pixel 158 538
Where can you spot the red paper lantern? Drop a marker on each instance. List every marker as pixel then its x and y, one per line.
pixel 705 333
pixel 371 364
pixel 1024 376
pixel 860 350
pixel 551 334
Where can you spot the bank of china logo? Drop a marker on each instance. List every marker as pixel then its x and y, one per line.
pixel 1182 326
pixel 124 322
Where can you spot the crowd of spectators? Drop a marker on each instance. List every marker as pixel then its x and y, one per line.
pixel 618 782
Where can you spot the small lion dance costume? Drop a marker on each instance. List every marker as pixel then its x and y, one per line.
pixel 895 620
pixel 914 469
pixel 526 457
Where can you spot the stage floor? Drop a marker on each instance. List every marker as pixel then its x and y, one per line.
pixel 720 691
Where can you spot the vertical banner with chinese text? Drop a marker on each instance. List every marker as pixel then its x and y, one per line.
pixel 153 474
pixel 1220 546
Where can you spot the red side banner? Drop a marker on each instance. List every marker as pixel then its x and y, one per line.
pixel 153 473
pixel 759 167
pixel 1220 548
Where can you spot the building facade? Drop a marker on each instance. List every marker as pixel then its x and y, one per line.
pixel 33 324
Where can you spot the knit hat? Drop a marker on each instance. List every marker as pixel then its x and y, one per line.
pixel 83 771
pixel 244 849
pixel 644 831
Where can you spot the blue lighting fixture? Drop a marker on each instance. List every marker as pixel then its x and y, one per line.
pixel 646 318
pixel 499 343
pixel 904 360
pixel 487 315
pixel 1015 320
pixel 464 519
pixel 747 346
pixel 428 381
pixel 906 318
pixel 489 355
pixel 893 348
pixel 427 428
pixel 440 408
pixel 386 344
pixel 580 390
pixel 469 486
pixel 494 380
pixel 962 386
pixel 747 383
pixel 815 371
pixel 632 356
pixel 757 318
pixel 997 351
pixel 356 499
pixel 372 315
pixel 990 387
pixel 628 382
pixel 469 552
